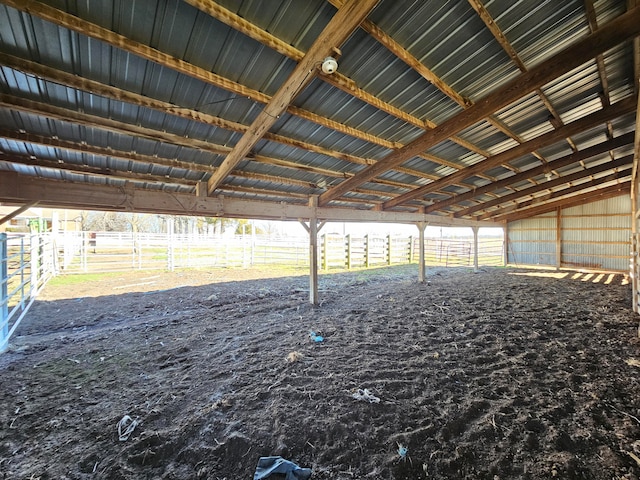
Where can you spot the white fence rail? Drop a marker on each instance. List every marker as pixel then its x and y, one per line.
pixel 27 262
pixel 109 251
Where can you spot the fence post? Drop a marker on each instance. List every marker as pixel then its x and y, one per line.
pixel 4 295
pixel 389 249
pixel 367 251
pixel 349 252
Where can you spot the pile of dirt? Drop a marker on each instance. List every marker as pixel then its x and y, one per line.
pixel 493 375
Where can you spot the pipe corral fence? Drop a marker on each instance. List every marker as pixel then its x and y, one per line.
pixel 94 252
pixel 29 261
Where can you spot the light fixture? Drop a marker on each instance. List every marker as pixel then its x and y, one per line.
pixel 329 65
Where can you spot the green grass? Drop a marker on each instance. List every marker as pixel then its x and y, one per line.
pixel 80 278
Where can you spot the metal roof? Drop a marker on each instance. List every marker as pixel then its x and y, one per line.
pixel 436 107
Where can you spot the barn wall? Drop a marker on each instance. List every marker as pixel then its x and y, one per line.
pixel 595 235
pixel 532 241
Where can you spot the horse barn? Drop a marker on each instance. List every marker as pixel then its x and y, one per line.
pixel 520 115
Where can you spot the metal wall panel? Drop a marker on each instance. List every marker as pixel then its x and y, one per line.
pixel 594 235
pixel 532 241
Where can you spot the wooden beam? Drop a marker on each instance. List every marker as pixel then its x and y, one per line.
pixel 590 121
pixel 338 80
pixel 612 177
pixel 67 115
pixel 493 27
pixel 71 22
pixel 404 55
pixel 20 189
pixel 589 197
pixel 613 33
pixel 616 177
pixel 579 156
pixel 17 212
pixel 400 52
pixel 149 160
pixel 344 22
pixel 579 175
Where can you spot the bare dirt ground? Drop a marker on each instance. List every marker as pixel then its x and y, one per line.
pixel 494 375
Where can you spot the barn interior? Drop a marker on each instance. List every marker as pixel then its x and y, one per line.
pixel 465 113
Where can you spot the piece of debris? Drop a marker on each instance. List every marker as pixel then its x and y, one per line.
pixel 270 465
pixel 365 395
pixel 402 451
pixel 126 426
pixel 315 338
pixel 294 357
pixel 632 362
pixel 222 403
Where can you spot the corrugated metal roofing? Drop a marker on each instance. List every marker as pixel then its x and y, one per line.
pixel 329 133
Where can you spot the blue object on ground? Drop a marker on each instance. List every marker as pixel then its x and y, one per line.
pixel 315 338
pixel 268 465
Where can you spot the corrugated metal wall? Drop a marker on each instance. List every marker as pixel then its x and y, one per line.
pixel 533 241
pixel 595 236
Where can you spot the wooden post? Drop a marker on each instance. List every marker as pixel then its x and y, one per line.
pixel 558 238
pixel 635 282
pixel 475 248
pixel 505 243
pixel 4 294
pixel 313 252
pixel 349 252
pixel 389 249
pixel 422 268
pixel 367 251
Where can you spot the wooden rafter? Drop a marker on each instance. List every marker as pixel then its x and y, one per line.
pixel 616 176
pixel 555 182
pixel 575 157
pixel 493 27
pixel 404 55
pixel 621 188
pixel 590 121
pixel 622 28
pixel 339 80
pixel 344 22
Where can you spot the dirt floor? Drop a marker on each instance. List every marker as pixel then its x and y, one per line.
pixel 501 374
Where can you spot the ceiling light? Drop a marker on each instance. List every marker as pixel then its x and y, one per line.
pixel 329 65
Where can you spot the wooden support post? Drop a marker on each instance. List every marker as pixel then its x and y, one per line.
pixel 558 238
pixel 313 253
pixel 635 282
pixel 475 248
pixel 505 243
pixel 349 252
pixel 367 251
pixel 4 294
pixel 422 268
